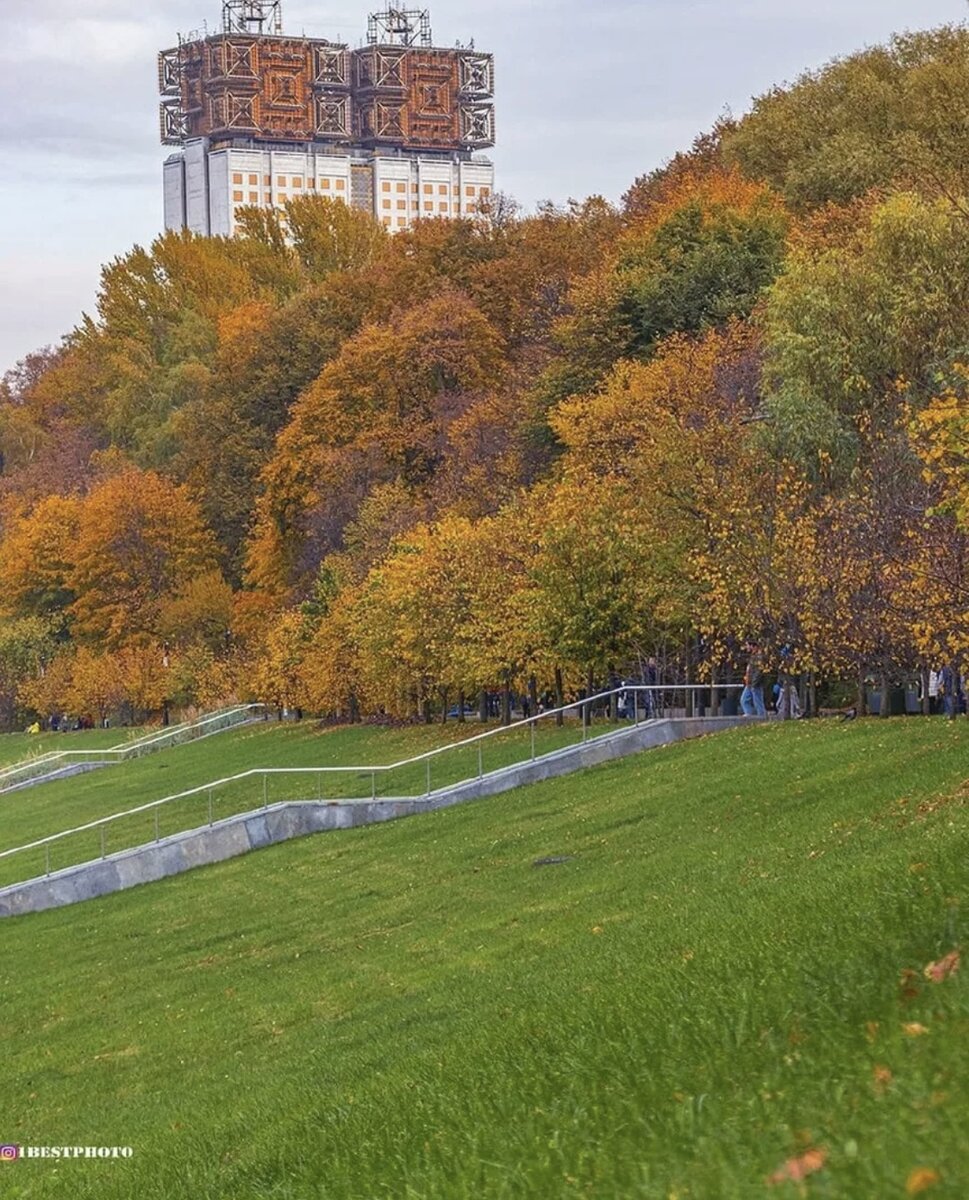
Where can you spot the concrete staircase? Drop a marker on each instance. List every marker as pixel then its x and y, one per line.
pixel 284 821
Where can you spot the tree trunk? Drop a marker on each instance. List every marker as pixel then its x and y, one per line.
pixel 506 703
pixel 483 707
pixel 462 702
pixel 559 697
pixel 862 701
pixel 884 706
pixel 533 695
pixel 926 699
pixel 427 710
pixel 444 694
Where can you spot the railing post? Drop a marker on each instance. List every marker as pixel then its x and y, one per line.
pixel 585 721
pixel 265 791
pixel 319 786
pixel 533 741
pixel 373 785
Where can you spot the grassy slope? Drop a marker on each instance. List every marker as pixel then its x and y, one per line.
pixel 47 809
pixel 18 747
pixel 415 1011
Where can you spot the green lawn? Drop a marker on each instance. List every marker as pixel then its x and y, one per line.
pixel 711 986
pixel 18 747
pixel 51 808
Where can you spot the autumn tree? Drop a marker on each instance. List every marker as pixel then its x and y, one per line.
pixel 140 540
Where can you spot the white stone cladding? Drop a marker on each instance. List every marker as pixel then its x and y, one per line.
pixel 205 187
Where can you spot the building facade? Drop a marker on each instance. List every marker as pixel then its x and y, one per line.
pixel 260 119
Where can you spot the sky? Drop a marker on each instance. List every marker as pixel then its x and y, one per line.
pixel 590 95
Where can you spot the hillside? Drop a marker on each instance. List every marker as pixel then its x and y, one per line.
pixel 725 975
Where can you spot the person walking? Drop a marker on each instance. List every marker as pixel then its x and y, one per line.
pixel 752 698
pixel 949 690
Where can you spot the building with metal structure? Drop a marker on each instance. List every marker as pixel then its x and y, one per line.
pixel 260 117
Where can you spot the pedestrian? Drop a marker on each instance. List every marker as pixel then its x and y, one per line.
pixel 949 690
pixel 752 698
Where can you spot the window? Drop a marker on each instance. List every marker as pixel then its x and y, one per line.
pixel 443 207
pixel 469 191
pixel 386 220
pixel 428 189
pixel 415 189
pixel 253 197
pixel 401 187
pixel 341 185
pixel 485 192
pixel 280 181
pixel 237 197
pixel 253 180
pixel 386 204
pixel 428 205
pixel 385 186
pixel 237 177
pixel 402 205
pixel 442 190
pixel 267 181
pixel 297 181
pixel 325 184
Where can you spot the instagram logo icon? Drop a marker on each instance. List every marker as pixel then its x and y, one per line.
pixel 9 1153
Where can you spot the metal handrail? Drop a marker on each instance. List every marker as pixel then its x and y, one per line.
pixel 145 744
pixel 374 770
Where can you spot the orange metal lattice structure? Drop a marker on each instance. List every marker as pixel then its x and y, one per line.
pixel 274 89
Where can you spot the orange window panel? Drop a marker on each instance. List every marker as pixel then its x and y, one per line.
pixel 253 180
pixel 341 185
pixel 237 177
pixel 237 196
pixel 253 197
pixel 325 184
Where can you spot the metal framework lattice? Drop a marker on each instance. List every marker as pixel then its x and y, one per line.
pixel 400 27
pixel 252 16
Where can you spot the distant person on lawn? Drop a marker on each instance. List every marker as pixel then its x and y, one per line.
pixel 752 698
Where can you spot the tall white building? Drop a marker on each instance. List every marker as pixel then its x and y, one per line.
pixel 206 185
pixel 259 118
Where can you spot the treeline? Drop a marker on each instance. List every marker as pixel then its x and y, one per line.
pixel 350 473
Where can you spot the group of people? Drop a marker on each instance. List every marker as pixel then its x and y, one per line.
pixel 787 704
pixel 947 691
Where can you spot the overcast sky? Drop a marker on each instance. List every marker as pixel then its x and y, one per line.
pixel 591 93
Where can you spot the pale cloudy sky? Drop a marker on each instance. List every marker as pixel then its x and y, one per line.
pixel 591 93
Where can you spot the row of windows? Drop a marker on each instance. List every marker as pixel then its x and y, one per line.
pixel 442 189
pixel 294 181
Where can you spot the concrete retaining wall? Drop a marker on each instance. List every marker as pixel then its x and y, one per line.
pixel 283 822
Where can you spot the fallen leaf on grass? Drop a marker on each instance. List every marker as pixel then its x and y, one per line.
pixel 796 1170
pixel 882 1078
pixel 938 971
pixel 921 1179
pixel 914 1029
pixel 597 929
